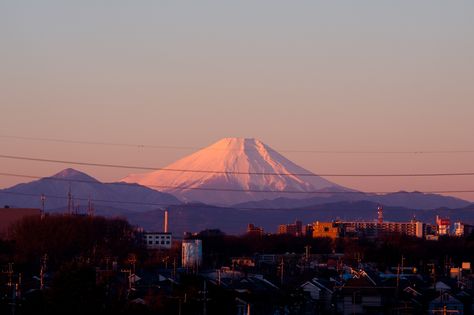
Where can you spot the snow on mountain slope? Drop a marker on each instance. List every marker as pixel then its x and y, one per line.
pixel 234 164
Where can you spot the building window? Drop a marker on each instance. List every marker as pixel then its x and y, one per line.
pixel 150 242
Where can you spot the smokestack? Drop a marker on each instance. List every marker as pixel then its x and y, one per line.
pixel 166 222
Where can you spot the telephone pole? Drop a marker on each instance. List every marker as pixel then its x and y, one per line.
pixel 43 200
pixel 90 208
pixel 70 205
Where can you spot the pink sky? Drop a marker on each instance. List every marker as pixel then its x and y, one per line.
pixel 344 77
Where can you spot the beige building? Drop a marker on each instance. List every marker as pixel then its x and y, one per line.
pixel 326 229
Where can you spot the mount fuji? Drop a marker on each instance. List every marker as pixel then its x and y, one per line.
pixel 235 170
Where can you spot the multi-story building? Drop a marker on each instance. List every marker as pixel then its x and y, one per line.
pixel 157 240
pixel 295 229
pixel 462 229
pixel 191 253
pixel 367 229
pixel 430 229
pixel 327 229
pixel 254 230
pixel 443 225
pixel 412 228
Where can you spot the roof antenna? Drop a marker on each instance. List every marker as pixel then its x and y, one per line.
pixel 380 214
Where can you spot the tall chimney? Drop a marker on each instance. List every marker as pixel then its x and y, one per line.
pixel 166 222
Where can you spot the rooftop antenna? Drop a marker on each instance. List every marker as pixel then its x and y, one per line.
pixel 379 214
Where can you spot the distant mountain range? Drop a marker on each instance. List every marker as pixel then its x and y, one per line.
pixel 131 197
pixel 248 173
pixel 197 217
pixel 141 205
pixel 221 187
pixel 414 200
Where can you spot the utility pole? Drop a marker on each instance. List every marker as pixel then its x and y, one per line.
pixel 398 276
pixel 44 259
pixel 129 278
pixel 433 273
pixel 133 260
pixel 282 268
pixel 398 283
pixel 70 205
pixel 403 261
pixel 307 255
pixel 174 268
pixel 18 287
pixel 204 299
pixel 90 208
pixel 11 286
pixel 43 199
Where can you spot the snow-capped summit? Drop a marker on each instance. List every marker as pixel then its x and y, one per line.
pixel 232 165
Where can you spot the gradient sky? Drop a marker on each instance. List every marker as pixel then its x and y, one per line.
pixel 298 75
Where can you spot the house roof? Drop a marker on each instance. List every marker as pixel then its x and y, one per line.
pixel 445 298
pixel 441 286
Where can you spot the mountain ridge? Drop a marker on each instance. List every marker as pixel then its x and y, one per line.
pixel 417 200
pixel 82 186
pixel 238 168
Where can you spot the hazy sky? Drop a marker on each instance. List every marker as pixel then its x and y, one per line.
pixel 298 75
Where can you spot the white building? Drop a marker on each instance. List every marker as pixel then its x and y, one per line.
pixel 157 240
pixel 191 255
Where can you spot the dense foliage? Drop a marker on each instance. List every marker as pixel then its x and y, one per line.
pixel 64 238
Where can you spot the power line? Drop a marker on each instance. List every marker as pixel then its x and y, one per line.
pixel 141 203
pixel 86 199
pixel 151 146
pixel 180 187
pixel 99 143
pixel 26 158
pixel 144 203
pixel 230 189
pixel 136 202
